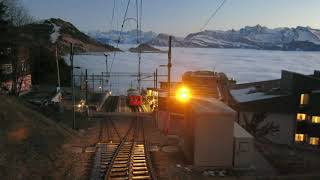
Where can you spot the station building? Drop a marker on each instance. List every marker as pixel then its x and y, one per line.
pixel 288 108
pixel 207 128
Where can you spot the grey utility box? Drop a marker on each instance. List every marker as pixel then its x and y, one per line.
pixel 207 133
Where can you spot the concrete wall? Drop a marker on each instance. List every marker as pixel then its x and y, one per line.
pixel 286 123
pixel 213 140
pixel 206 132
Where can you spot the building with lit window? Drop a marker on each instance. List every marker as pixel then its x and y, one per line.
pixel 14 66
pixel 290 107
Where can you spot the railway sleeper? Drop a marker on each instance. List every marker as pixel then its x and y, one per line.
pixel 120 165
pixel 139 168
pixel 120 178
pixel 119 174
pixel 141 177
pixel 139 157
pixel 139 164
pixel 140 173
pixel 120 162
pixel 121 158
pixel 118 169
pixel 103 166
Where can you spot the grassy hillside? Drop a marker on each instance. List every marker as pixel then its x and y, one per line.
pixel 40 33
pixel 31 145
pixel 38 38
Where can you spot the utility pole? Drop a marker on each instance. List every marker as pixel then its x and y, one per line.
pixel 102 84
pixel 169 66
pixel 92 82
pixel 72 87
pixel 107 72
pixel 139 72
pixel 156 78
pixel 86 86
pixel 169 83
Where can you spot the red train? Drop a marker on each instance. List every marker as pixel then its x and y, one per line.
pixel 134 98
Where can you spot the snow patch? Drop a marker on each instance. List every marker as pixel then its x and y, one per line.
pixel 55 34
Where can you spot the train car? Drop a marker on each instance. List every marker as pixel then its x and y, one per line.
pixel 134 97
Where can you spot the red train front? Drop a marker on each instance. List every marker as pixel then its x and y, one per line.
pixel 134 98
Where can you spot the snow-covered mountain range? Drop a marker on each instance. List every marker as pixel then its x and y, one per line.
pixel 255 37
pixel 258 37
pixel 127 37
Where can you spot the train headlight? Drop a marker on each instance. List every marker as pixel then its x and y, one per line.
pixel 183 94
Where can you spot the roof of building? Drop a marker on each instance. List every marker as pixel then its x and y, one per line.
pixel 211 105
pixel 240 132
pixel 250 94
pixel 279 96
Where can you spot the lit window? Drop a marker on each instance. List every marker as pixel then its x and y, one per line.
pixel 304 99
pixel 299 137
pixel 315 119
pixel 301 117
pixel 314 141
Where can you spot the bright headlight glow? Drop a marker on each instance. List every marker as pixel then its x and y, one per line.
pixel 183 94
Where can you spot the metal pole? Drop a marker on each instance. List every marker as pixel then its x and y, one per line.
pixel 72 88
pixel 92 82
pixel 107 72
pixel 107 63
pixel 102 84
pixel 157 78
pixel 154 80
pixel 139 70
pixel 86 86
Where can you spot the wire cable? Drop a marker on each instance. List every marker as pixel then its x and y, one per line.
pixel 213 14
pixel 120 34
pixel 112 17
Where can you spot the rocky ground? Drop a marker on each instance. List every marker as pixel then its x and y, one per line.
pixel 32 146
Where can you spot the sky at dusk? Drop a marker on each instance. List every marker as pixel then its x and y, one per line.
pixel 180 17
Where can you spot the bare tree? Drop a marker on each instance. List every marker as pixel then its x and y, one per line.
pixel 17 14
pixel 258 126
pixel 20 68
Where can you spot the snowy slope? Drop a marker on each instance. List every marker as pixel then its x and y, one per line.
pixel 163 40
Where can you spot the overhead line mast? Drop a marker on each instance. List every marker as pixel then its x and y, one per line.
pixel 138 42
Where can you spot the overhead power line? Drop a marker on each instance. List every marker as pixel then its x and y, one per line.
pixel 112 17
pixel 120 34
pixel 213 14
